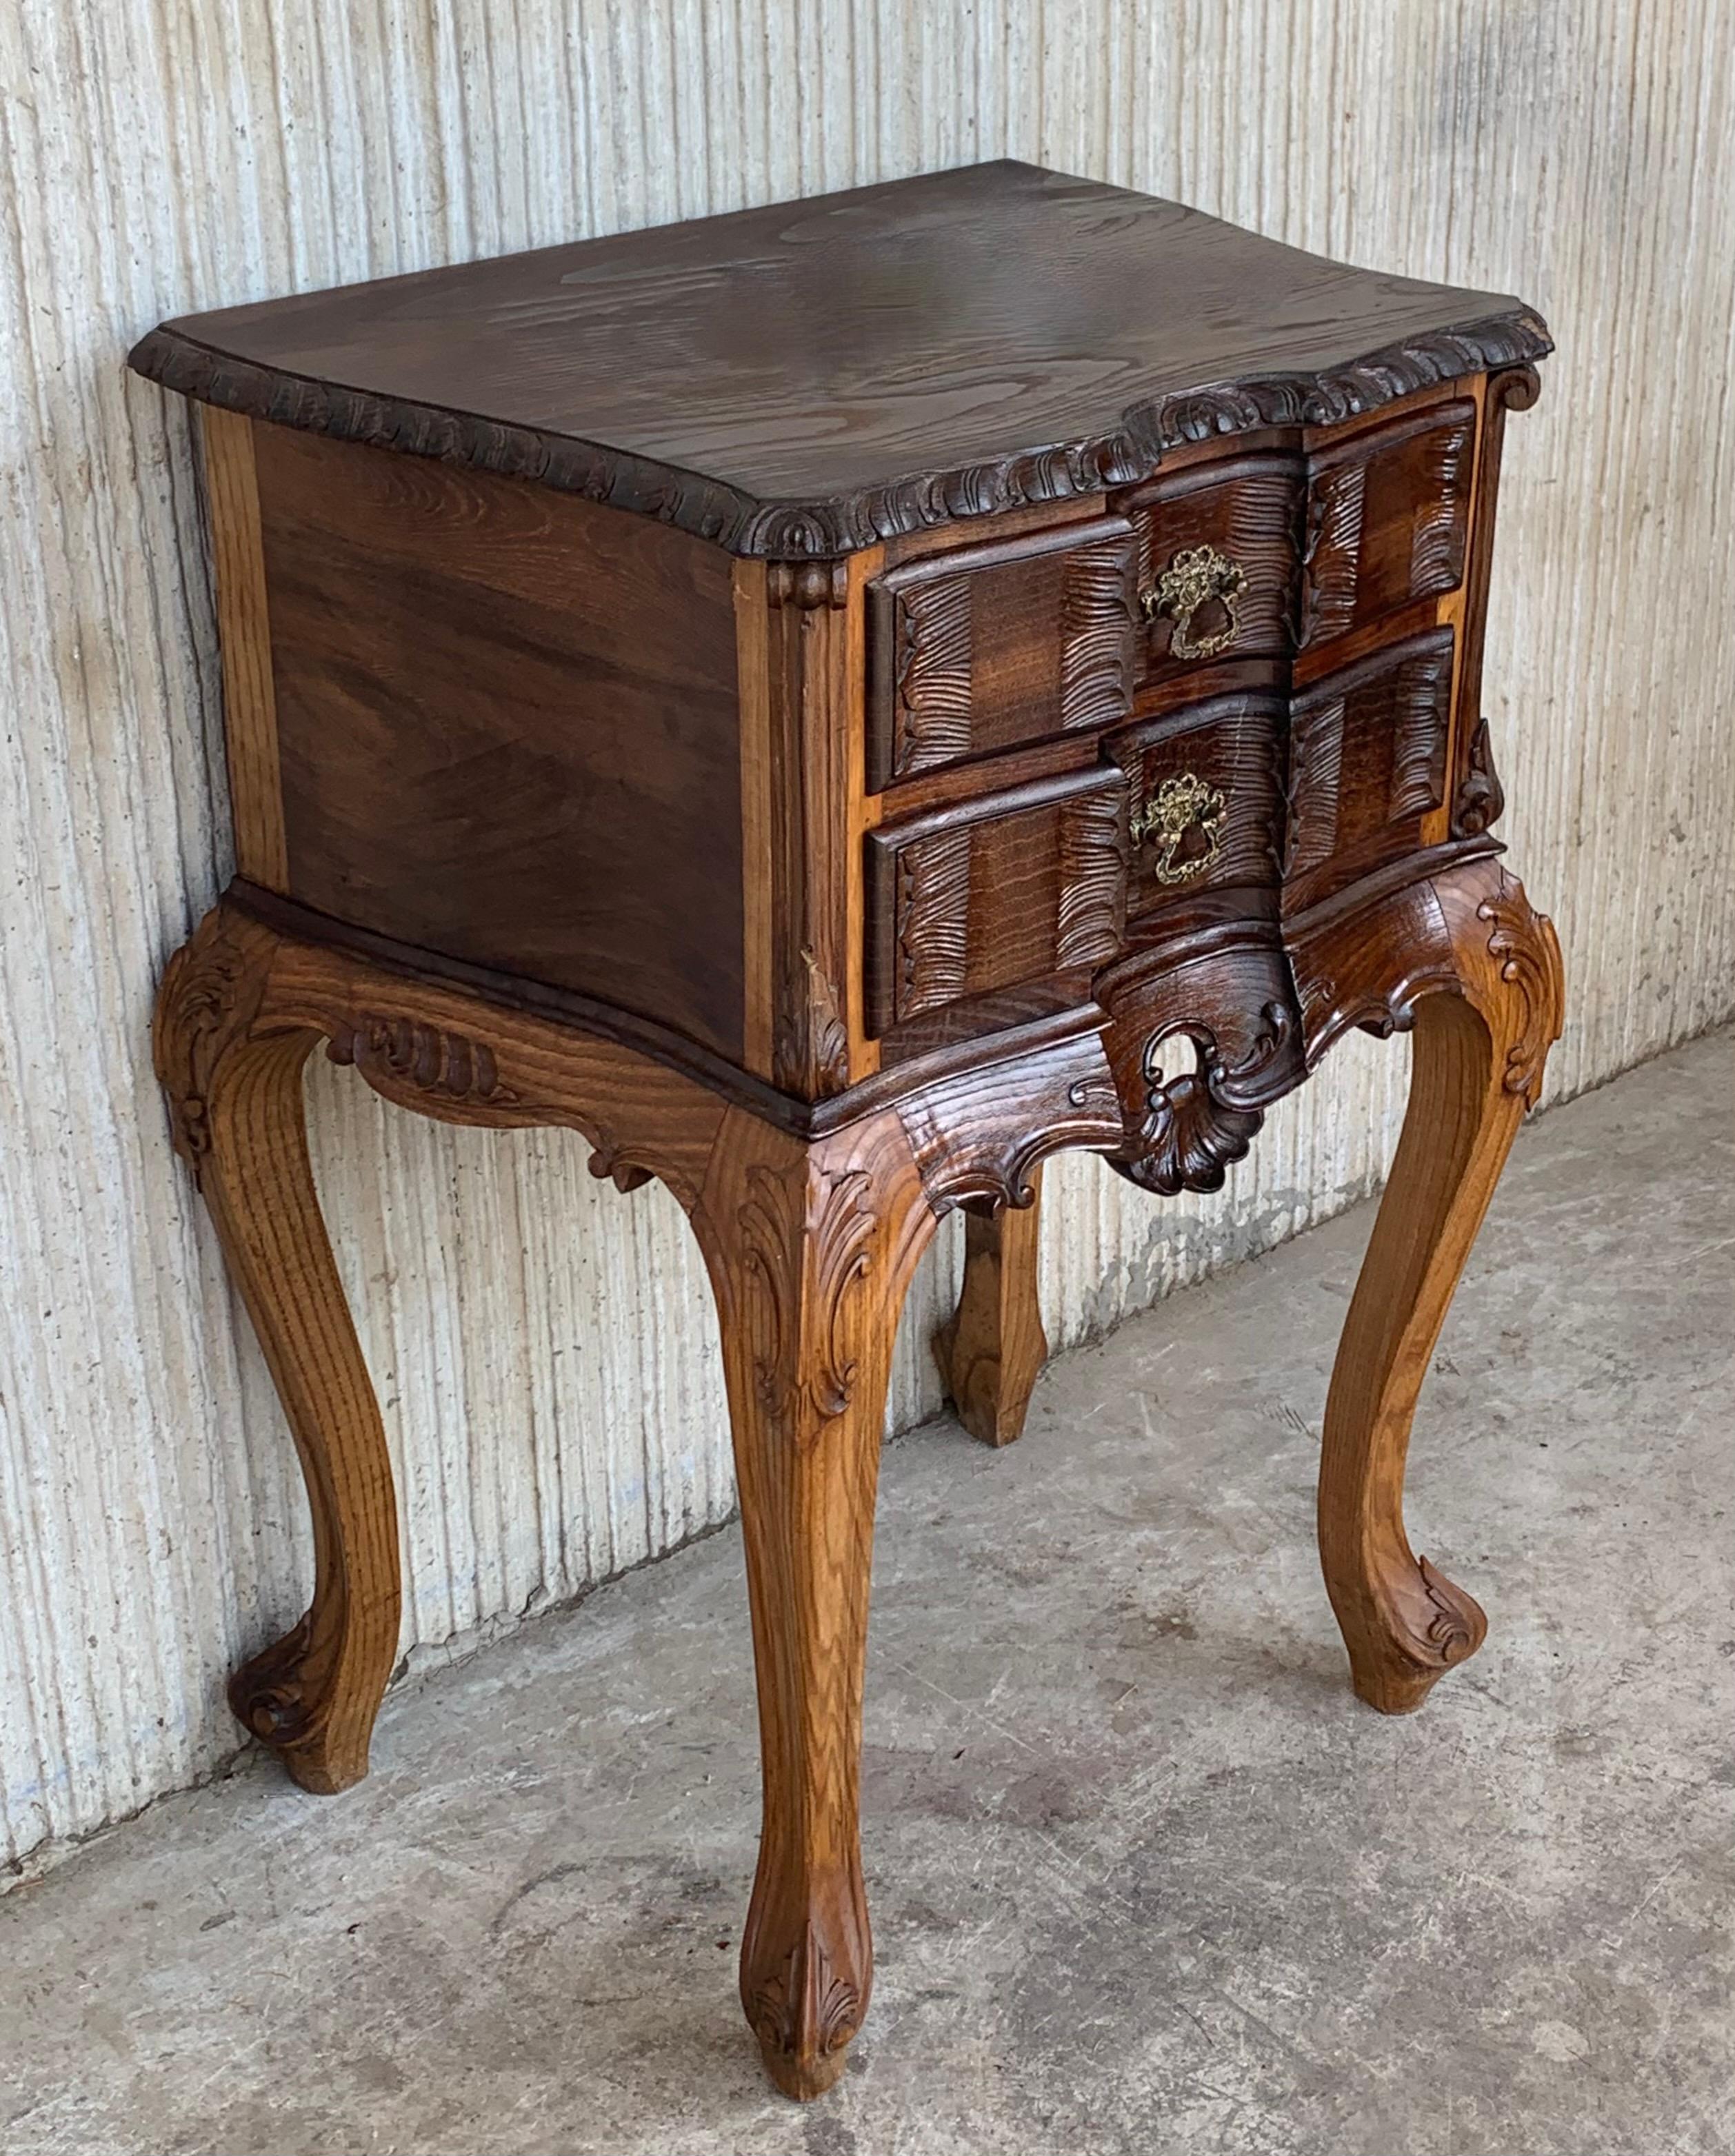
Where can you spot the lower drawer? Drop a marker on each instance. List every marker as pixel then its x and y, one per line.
pixel 1206 799
pixel 1012 888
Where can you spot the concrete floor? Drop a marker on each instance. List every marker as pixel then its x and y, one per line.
pixel 1145 1877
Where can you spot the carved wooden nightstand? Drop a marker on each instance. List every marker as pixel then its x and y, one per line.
pixel 813 698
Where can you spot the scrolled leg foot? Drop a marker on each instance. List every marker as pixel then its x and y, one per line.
pixel 806 2001
pixel 1414 1626
pixel 295 1697
pixel 234 1078
pixel 1482 990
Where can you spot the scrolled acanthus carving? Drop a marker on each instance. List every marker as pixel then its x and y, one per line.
pixel 281 1695
pixel 1522 944
pixel 1194 1128
pixel 400 1056
pixel 802 1266
pixel 805 2005
pixel 811 1050
pixel 211 990
pixel 1453 1630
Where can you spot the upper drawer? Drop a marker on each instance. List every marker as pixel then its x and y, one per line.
pixel 1217 562
pixel 1027 884
pixel 1386 519
pixel 988 647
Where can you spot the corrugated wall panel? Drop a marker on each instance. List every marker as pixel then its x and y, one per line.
pixel 544 1348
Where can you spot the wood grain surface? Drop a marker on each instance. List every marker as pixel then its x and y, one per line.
pixel 810 1249
pixel 1015 886
pixel 584 823
pixel 991 1352
pixel 243 622
pixel 985 648
pixel 1465 961
pixel 508 725
pixel 698 371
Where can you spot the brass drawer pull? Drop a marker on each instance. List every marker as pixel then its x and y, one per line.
pixel 1197 577
pixel 1179 806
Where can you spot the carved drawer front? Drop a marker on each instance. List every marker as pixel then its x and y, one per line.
pixel 1217 564
pixel 988 647
pixel 1205 799
pixel 1018 887
pixel 1386 519
pixel 1368 759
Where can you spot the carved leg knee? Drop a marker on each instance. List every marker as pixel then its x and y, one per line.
pixel 809 1250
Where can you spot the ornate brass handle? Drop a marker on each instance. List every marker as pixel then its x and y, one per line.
pixel 1179 806
pixel 1197 577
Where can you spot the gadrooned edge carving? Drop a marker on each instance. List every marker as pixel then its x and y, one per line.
pixel 793 531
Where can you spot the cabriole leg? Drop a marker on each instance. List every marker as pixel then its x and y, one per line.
pixel 992 1353
pixel 235 1093
pixel 809 1250
pixel 1482 1035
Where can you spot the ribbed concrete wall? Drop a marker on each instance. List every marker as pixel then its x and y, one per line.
pixel 544 1349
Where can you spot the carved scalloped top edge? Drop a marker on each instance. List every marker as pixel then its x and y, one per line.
pixel 805 530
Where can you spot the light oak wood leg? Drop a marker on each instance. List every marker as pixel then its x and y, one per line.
pixel 1480 1045
pixel 993 1352
pixel 236 1098
pixel 809 1250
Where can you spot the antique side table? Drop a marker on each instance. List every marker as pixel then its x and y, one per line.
pixel 816 699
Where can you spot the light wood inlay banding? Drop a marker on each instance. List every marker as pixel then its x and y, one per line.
pixel 244 624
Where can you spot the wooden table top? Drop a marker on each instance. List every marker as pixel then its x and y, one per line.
pixel 805 378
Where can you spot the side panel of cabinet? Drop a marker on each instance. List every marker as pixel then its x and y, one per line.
pixel 509 727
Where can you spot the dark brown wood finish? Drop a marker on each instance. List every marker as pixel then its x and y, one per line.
pixel 1206 804
pixel 891 330
pixel 1242 510
pixel 508 727
pixel 1014 887
pixel 1386 519
pixel 1368 761
pixel 992 647
pixel 1084 736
